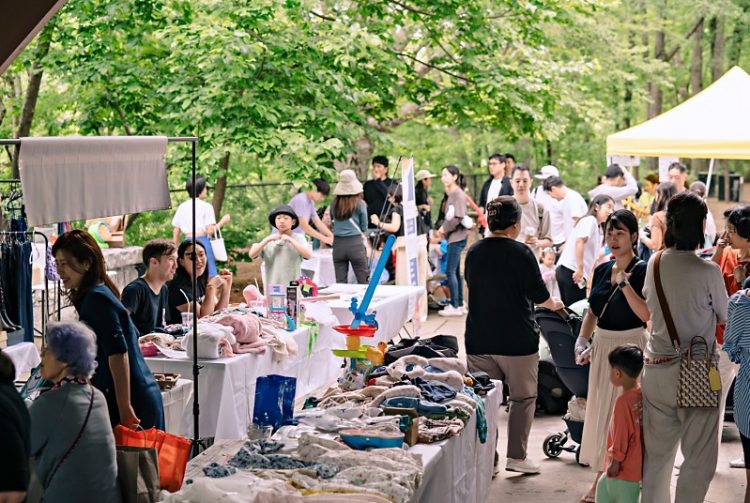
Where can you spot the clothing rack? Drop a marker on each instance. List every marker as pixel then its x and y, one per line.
pixel 198 443
pixel 45 304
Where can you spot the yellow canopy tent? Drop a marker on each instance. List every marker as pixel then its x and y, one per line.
pixel 713 124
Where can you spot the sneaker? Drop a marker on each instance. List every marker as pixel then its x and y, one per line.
pixel 522 466
pixel 737 463
pixel 451 311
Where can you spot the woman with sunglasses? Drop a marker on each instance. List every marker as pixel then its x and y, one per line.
pixel 212 293
pixel 133 397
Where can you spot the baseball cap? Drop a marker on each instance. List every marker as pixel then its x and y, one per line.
pixel 547 171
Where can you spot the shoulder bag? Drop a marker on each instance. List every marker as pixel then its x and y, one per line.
pixel 699 384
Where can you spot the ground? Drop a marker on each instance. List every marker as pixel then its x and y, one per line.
pixel 562 480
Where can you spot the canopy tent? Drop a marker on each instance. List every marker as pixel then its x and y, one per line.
pixel 713 124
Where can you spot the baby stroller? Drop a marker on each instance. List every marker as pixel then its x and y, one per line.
pixel 560 330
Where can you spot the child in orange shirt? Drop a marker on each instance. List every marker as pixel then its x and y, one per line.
pixel 624 462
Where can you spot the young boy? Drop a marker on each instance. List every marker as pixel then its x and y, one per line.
pixel 624 461
pixel 146 298
pixel 282 252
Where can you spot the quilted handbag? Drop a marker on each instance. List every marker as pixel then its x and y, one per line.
pixel 699 382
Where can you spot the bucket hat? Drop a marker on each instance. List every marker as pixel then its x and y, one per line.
pixel 283 209
pixel 348 184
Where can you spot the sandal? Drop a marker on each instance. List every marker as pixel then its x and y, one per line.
pixel 588 499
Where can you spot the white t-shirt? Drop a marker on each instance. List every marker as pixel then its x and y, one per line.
pixel 617 193
pixel 565 214
pixel 183 217
pixel 495 185
pixel 588 228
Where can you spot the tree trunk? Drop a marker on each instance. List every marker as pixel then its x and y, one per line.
pixel 718 39
pixel 696 64
pixel 32 90
pixel 738 34
pixel 220 189
pixel 655 106
pixel 718 42
pixel 696 81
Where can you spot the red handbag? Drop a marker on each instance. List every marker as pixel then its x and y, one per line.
pixel 173 452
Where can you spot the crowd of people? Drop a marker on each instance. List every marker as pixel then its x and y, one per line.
pixel 631 251
pixel 640 262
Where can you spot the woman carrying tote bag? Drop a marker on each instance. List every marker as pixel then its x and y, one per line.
pixel 694 293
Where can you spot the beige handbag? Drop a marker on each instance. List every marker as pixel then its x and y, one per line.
pixel 699 383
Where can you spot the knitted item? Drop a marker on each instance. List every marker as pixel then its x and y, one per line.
pixel 247 330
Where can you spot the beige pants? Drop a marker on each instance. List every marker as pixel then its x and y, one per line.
pixel 601 397
pixel 520 373
pixel 664 427
pixel 423 265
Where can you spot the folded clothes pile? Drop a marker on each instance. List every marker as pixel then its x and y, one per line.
pixel 317 466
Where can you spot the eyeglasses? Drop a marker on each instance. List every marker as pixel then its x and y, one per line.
pixel 194 255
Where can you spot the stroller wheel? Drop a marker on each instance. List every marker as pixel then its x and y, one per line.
pixel 552 445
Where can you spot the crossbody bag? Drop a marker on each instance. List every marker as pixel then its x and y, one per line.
pixel 699 383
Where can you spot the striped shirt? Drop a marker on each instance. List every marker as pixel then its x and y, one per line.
pixel 737 346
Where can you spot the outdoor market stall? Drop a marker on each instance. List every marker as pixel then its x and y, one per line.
pixel 227 385
pixel 456 470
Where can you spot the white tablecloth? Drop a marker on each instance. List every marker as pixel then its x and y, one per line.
pixel 226 388
pixel 176 402
pixel 457 470
pixel 25 357
pixel 395 305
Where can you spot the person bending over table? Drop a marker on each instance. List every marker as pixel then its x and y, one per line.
pixel 303 206
pixel 283 251
pixel 72 413
pixel 133 397
pixel 147 298
pixel 213 293
pixel 205 219
pixel 504 283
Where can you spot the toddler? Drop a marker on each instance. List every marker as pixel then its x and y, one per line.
pixel 547 268
pixel 624 461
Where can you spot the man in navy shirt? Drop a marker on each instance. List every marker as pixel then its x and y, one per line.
pixel 146 298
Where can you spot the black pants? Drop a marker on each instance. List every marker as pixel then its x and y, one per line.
pixel 346 250
pixel 745 449
pixel 569 291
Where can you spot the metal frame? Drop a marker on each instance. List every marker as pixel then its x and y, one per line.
pixel 197 442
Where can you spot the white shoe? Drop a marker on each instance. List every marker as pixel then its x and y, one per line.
pixel 522 466
pixel 737 463
pixel 451 311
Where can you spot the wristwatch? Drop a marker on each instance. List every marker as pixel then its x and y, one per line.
pixel 622 284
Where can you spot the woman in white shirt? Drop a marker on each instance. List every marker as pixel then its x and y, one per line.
pixel 579 256
pixel 205 220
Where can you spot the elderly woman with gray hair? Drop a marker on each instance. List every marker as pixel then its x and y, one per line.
pixel 72 444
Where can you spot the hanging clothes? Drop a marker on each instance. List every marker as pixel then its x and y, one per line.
pixel 15 280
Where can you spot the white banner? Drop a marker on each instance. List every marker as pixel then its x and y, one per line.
pixel 409 205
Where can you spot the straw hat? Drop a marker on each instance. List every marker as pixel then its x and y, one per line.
pixel 348 184
pixel 422 174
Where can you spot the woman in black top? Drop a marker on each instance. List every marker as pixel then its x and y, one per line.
pixel 212 294
pixel 617 315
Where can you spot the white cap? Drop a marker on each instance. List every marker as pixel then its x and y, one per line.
pixel 547 171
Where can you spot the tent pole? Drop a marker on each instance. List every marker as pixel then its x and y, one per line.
pixel 710 176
